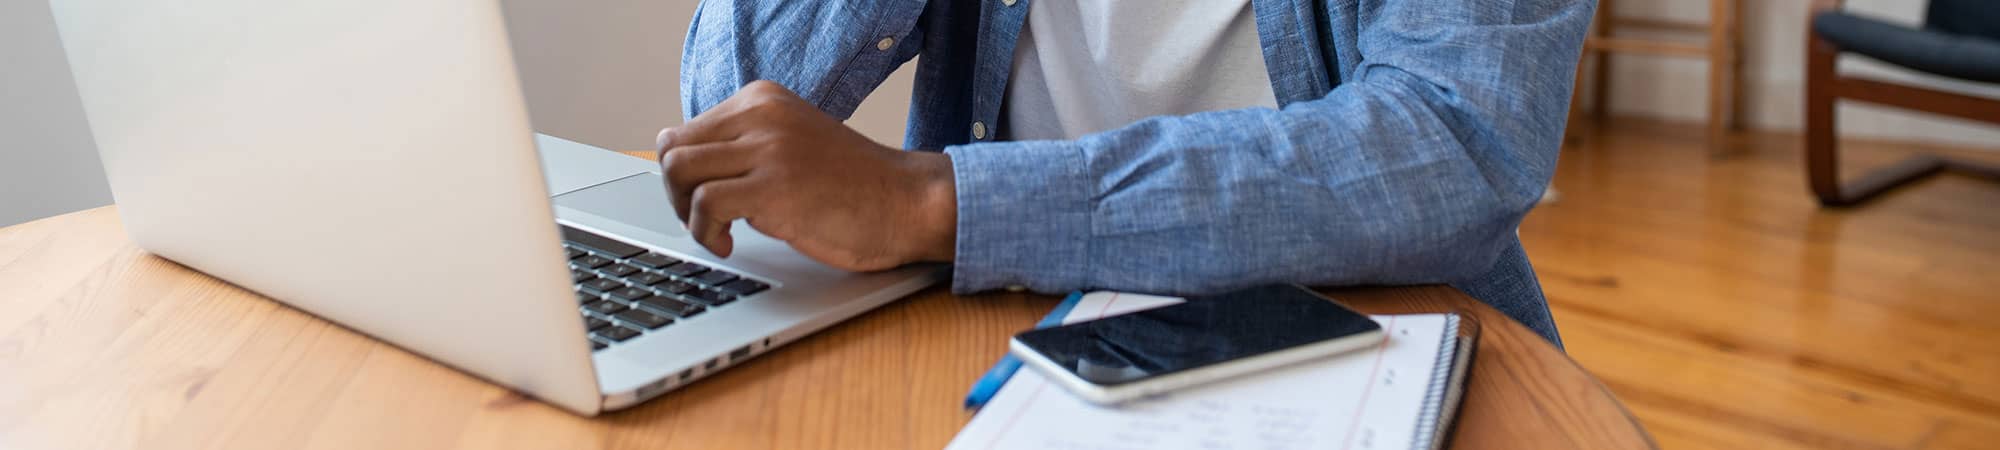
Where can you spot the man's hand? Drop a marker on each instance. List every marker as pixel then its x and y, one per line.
pixel 794 173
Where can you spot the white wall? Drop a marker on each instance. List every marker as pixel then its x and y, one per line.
pixel 1774 75
pixel 48 164
pixel 606 73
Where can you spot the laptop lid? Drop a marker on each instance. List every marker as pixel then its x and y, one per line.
pixel 368 161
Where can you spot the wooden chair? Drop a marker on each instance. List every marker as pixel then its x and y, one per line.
pixel 1960 39
pixel 1721 48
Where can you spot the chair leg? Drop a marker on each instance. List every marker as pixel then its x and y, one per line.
pixel 1822 152
pixel 1977 169
pixel 1822 145
pixel 1736 112
pixel 1570 133
pixel 1882 180
pixel 1722 58
pixel 1600 96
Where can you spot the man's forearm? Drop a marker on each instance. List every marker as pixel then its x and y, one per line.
pixel 1416 169
pixel 1211 202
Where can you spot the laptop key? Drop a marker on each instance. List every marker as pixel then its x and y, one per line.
pixel 586 297
pixel 743 287
pixel 715 277
pixel 574 253
pixel 619 270
pixel 593 323
pixel 674 287
pixel 668 306
pixel 579 276
pixel 685 269
pixel 591 262
pixel 653 260
pixel 708 297
pixel 642 319
pixel 604 307
pixel 595 346
pixel 602 285
pixel 600 244
pixel 631 293
pixel 647 278
pixel 615 333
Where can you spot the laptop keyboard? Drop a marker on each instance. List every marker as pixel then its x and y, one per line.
pixel 625 291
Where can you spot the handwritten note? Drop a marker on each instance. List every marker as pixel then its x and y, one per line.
pixel 1368 399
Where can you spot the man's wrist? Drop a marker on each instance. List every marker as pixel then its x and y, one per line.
pixel 936 215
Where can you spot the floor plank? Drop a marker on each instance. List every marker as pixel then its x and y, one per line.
pixel 1728 310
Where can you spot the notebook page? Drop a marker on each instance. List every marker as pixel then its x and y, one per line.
pixel 1368 399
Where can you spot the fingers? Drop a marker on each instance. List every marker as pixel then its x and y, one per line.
pixel 706 168
pixel 714 206
pixel 710 127
pixel 686 168
pixel 660 141
pixel 725 121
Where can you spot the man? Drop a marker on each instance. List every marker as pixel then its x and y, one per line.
pixel 1166 146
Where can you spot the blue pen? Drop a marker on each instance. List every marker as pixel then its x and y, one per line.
pixel 996 377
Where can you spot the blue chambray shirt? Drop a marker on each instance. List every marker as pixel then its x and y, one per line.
pixel 1413 136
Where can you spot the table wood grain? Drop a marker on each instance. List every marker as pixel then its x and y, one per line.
pixel 105 346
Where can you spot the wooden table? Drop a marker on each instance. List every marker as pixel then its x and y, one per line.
pixel 105 346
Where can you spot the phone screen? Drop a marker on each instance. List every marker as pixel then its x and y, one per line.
pixel 1200 332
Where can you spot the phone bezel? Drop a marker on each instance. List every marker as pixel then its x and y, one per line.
pixel 1119 393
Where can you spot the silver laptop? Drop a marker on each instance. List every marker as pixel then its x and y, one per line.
pixel 371 162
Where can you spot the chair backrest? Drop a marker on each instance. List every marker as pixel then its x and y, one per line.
pixel 1965 17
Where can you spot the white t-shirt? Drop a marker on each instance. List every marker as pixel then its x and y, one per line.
pixel 1085 66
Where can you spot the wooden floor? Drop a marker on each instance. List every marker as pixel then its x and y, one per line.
pixel 1729 311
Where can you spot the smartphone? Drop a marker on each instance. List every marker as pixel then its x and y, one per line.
pixel 1114 359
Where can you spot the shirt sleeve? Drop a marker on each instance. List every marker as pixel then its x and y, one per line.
pixel 833 54
pixel 1417 169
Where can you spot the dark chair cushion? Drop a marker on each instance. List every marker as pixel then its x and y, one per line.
pixel 1957 56
pixel 1965 17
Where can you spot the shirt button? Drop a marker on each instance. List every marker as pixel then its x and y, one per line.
pixel 1008 2
pixel 885 43
pixel 979 130
pixel 1016 288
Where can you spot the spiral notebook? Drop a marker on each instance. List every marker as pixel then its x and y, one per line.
pixel 1398 395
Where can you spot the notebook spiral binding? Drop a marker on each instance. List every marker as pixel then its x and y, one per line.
pixel 1427 417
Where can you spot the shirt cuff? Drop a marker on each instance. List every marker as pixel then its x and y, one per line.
pixel 1024 214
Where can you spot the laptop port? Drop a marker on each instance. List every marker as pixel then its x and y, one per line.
pixel 739 353
pixel 655 388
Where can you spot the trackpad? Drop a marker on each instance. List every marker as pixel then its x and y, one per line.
pixel 638 200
